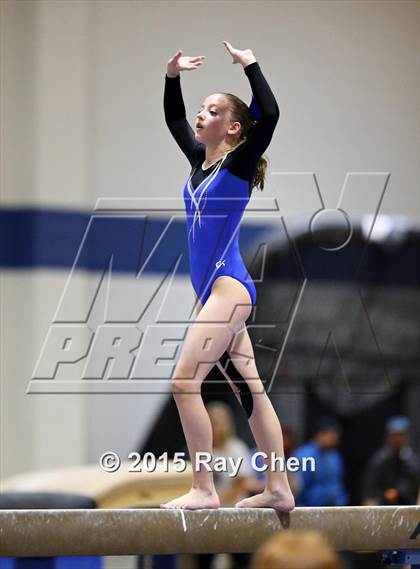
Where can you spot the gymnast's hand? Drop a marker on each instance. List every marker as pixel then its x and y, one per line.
pixel 186 63
pixel 243 56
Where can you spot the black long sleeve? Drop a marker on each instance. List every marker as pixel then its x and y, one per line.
pixel 175 117
pixel 261 90
pixel 173 103
pixel 259 139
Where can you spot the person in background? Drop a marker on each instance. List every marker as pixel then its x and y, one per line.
pixel 230 489
pixel 325 485
pixel 228 445
pixel 392 475
pixel 296 549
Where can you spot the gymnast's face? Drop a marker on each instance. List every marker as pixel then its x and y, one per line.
pixel 328 438
pixel 397 441
pixel 213 122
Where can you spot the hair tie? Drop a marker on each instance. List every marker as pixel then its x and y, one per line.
pixel 254 110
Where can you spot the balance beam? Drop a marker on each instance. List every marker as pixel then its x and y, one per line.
pixel 50 533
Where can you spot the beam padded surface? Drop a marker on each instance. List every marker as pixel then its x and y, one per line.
pixel 43 533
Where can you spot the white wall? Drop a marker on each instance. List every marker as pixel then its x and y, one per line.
pixel 82 118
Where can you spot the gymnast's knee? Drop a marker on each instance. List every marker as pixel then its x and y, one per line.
pixel 184 381
pixel 245 393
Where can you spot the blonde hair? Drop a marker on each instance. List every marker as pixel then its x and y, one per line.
pixel 296 549
pixel 220 406
pixel 240 112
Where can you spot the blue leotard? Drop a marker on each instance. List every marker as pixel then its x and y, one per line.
pixel 215 198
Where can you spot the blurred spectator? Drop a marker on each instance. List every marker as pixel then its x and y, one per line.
pixel 324 486
pixel 227 444
pixel 392 475
pixel 257 483
pixel 294 549
pixel 230 489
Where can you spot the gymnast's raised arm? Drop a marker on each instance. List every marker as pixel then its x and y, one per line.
pixel 174 107
pixel 260 136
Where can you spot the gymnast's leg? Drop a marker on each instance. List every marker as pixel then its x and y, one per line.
pixel 237 364
pixel 207 338
pixel 262 419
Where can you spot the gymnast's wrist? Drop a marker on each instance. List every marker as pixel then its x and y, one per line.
pixel 171 76
pixel 248 61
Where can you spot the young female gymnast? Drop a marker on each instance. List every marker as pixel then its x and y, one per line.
pixel 225 153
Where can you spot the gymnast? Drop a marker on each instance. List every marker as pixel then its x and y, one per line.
pixel 225 154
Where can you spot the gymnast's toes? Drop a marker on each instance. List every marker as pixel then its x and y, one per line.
pixel 194 500
pixel 283 503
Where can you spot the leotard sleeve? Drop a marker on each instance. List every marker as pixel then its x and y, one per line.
pixel 175 117
pixel 249 152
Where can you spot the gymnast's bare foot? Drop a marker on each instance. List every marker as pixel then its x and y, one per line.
pixel 195 499
pixel 268 499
